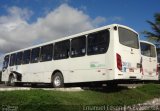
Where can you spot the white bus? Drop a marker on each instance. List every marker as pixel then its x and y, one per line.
pixel 104 54
pixel 149 61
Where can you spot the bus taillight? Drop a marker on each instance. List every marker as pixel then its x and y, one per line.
pixel 119 61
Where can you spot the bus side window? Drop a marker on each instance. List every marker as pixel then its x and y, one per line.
pixel 78 46
pixel 61 50
pixel 35 55
pixel 26 57
pixel 12 59
pixel 6 61
pixel 19 58
pixel 46 53
pixel 98 42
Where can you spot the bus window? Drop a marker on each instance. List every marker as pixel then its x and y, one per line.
pixel 98 42
pixel 61 49
pixel 128 38
pixel 153 51
pixel 19 58
pixel 158 54
pixel 148 50
pixel 26 57
pixel 12 59
pixel 6 61
pixel 47 52
pixel 78 46
pixel 35 55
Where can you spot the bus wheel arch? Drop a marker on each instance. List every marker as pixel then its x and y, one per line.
pixel 57 79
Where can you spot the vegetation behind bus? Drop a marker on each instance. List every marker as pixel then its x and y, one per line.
pixel 155 34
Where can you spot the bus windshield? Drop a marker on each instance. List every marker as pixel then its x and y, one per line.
pixel 148 50
pixel 5 62
pixel 128 38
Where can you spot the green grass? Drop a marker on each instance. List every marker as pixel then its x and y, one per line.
pixel 40 100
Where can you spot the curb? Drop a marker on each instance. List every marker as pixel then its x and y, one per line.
pixel 48 89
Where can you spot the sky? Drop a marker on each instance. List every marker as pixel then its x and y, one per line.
pixel 24 23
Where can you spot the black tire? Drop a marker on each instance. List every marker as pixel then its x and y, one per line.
pixel 33 85
pixel 19 84
pixel 57 80
pixel 12 81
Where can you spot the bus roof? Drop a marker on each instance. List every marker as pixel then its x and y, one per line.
pixel 72 36
pixel 147 42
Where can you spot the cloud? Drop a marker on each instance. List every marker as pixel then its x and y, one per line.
pixel 99 20
pixel 17 33
pixel 12 27
pixel 16 12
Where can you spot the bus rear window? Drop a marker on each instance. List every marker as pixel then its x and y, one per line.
pixel 148 50
pixel 128 38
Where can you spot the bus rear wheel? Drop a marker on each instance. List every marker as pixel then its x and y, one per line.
pixel 57 80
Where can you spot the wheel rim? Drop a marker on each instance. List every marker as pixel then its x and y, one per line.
pixel 57 81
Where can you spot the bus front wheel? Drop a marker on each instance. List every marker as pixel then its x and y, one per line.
pixel 57 80
pixel 12 81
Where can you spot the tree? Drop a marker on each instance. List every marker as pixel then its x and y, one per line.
pixel 155 35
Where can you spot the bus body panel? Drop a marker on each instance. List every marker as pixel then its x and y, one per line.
pixel 129 64
pixel 149 63
pixel 130 58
